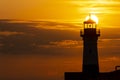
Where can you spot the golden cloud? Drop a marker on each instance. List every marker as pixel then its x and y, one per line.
pixel 8 33
pixel 114 58
pixel 63 44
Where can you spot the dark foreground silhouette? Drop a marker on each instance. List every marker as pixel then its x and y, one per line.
pixel 115 75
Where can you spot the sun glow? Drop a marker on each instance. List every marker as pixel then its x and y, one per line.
pixel 93 17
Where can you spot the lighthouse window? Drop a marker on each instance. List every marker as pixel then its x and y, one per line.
pixel 86 25
pixel 94 25
pixel 89 25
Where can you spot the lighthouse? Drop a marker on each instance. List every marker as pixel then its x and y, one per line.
pixel 90 67
pixel 90 35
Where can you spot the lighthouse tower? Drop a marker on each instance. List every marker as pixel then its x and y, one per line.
pixel 90 36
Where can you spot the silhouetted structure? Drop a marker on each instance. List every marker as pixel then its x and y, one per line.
pixel 90 68
pixel 90 53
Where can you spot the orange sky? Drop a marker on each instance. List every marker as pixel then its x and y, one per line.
pixel 39 36
pixel 62 10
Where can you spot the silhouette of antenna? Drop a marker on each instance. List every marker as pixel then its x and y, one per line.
pixel 89 15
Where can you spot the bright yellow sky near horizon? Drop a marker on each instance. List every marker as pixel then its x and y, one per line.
pixel 108 11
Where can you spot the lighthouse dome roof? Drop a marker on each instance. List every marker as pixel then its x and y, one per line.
pixel 89 21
